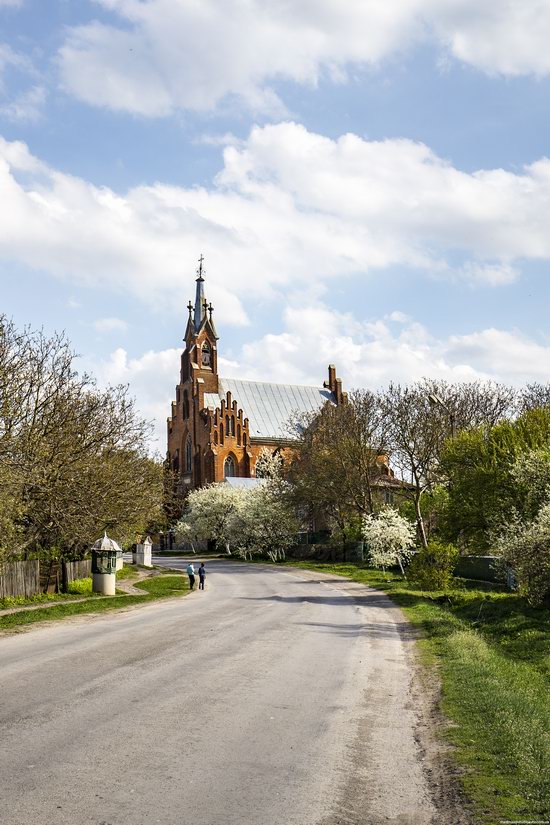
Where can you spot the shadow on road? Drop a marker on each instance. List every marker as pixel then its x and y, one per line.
pixel 369 600
pixel 382 630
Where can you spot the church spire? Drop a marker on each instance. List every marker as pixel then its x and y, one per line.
pixel 200 300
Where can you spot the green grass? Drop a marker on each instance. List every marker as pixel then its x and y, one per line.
pixel 127 571
pixel 166 585
pixel 83 587
pixel 153 589
pixel 40 598
pixel 493 654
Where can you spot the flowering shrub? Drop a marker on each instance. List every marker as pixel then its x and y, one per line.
pixel 526 548
pixel 390 538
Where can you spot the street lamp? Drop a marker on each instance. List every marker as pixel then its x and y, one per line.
pixel 436 401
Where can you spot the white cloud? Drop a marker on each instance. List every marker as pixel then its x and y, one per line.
pixel 502 353
pixel 11 2
pixel 490 274
pixel 290 209
pixel 152 378
pixel 397 317
pixel 371 354
pixel 110 325
pixel 366 355
pixel 174 54
pixel 10 59
pixel 26 107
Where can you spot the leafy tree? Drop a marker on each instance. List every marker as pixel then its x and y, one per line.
pixel 482 466
pixel 390 538
pixel 74 458
pixel 423 416
pixel 432 567
pixel 435 504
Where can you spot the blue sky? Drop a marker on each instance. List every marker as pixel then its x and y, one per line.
pixel 369 184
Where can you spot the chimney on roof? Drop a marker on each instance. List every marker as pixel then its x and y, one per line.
pixel 334 384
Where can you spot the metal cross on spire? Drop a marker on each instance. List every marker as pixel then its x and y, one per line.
pixel 200 300
pixel 199 268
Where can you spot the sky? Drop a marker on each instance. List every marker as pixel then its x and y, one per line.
pixel 369 184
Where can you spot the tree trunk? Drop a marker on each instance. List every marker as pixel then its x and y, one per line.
pixel 420 521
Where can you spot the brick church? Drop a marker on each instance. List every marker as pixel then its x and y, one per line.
pixel 218 426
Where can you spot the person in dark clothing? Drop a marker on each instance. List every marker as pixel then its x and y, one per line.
pixel 202 576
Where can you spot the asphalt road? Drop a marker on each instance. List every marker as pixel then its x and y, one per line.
pixel 275 697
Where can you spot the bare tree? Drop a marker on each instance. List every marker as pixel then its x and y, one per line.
pixel 339 458
pixel 535 396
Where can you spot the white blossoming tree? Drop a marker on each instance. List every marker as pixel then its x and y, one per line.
pixel 526 548
pixel 246 521
pixel 269 464
pixel 263 523
pixel 390 538
pixel 208 515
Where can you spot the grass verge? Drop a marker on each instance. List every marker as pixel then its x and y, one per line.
pixel 128 571
pixel 493 655
pixel 43 598
pixel 156 588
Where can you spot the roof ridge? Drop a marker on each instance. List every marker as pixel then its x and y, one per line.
pixel 276 383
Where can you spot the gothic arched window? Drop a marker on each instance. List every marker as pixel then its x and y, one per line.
pixel 206 355
pixel 227 425
pixel 221 433
pixel 239 434
pixel 215 438
pixel 188 455
pixel 185 404
pixel 229 467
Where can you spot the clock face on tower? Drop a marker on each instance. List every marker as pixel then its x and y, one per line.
pixel 206 355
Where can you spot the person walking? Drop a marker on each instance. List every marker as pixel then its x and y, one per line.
pixel 202 575
pixel 191 574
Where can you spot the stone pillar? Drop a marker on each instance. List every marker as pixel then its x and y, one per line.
pixel 144 553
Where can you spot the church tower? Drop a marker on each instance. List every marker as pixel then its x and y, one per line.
pixel 200 355
pixel 198 378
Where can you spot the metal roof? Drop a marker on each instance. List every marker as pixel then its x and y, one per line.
pixel 269 407
pixel 247 483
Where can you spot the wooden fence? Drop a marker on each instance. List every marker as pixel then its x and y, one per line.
pixel 20 578
pixel 49 576
pixel 71 570
pixel 27 578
